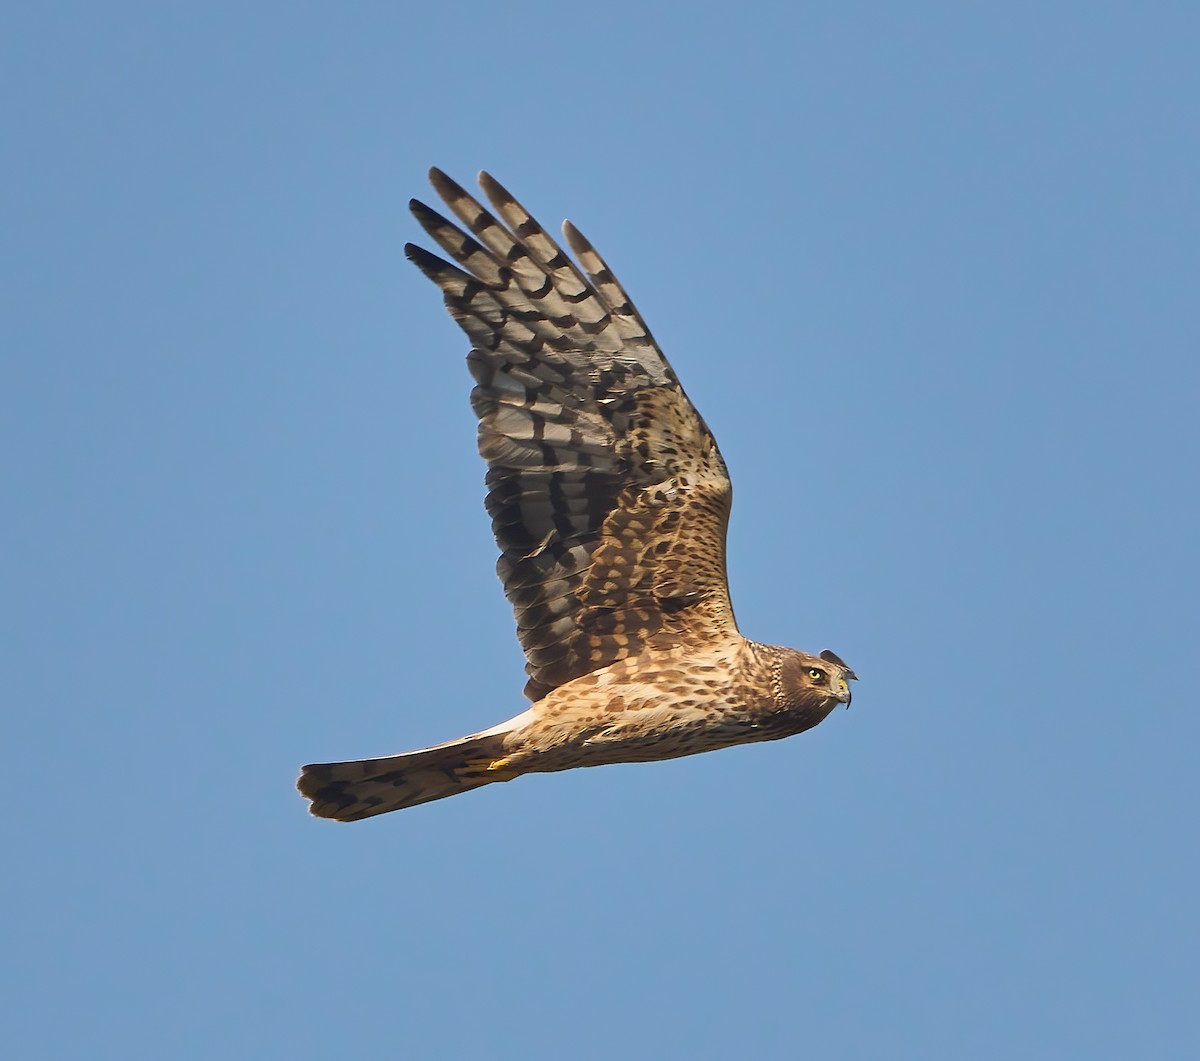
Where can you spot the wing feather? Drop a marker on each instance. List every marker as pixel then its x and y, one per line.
pixel 608 496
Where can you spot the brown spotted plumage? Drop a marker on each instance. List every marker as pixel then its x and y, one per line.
pixel 609 501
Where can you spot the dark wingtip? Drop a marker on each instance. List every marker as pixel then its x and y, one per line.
pixel 831 657
pixel 448 188
pixel 430 264
pixel 428 218
pixel 577 241
pixel 498 195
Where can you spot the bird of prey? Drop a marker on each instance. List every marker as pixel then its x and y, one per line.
pixel 609 501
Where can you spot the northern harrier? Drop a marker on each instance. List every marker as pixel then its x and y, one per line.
pixel 609 501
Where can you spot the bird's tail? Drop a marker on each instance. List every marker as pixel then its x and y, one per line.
pixel 361 789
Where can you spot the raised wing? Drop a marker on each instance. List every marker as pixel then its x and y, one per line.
pixel 609 498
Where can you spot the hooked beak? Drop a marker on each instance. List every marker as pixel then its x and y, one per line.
pixel 842 691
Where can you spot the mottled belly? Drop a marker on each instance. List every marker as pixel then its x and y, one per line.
pixel 648 736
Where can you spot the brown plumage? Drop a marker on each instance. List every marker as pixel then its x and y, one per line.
pixel 609 501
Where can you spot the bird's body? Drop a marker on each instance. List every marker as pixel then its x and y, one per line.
pixel 610 502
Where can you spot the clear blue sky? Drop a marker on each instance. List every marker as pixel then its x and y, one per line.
pixel 930 271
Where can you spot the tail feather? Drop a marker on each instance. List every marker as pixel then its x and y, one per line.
pixel 351 791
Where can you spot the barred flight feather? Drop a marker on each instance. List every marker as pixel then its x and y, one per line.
pixel 593 448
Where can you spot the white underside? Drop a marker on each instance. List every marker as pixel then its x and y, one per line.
pixel 517 722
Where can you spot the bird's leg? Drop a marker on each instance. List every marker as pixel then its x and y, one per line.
pixel 487 770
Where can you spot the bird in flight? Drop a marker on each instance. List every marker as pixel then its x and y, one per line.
pixel 609 501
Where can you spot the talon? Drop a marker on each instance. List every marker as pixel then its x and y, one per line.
pixel 492 769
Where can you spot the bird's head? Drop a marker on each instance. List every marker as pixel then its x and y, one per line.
pixel 824 677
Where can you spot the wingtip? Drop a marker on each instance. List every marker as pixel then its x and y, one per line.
pixel 832 657
pixel 498 195
pixel 422 211
pixel 429 264
pixel 445 185
pixel 576 240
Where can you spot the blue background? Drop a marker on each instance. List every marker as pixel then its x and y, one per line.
pixel 930 272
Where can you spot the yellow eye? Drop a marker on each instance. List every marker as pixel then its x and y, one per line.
pixel 816 674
